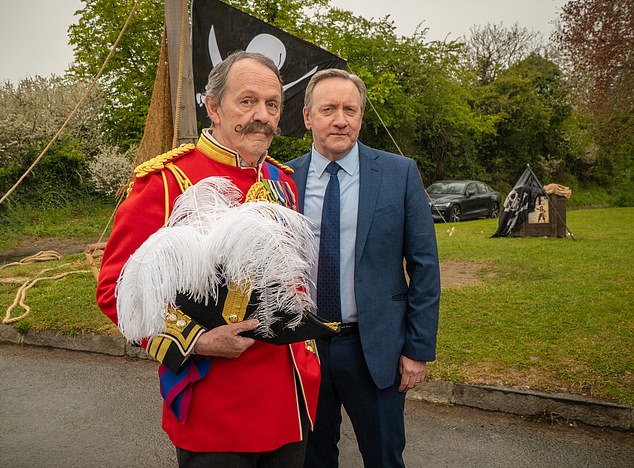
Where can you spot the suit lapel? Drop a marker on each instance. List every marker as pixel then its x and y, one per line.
pixel 299 177
pixel 369 180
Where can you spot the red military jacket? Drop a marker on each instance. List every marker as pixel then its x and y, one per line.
pixel 248 404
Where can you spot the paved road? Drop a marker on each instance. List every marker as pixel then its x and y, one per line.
pixel 69 409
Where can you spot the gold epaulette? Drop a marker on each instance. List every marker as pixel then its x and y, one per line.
pixel 276 163
pixel 157 163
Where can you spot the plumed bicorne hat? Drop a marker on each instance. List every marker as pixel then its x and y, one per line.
pixel 210 243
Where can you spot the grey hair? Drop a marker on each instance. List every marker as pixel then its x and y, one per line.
pixel 334 73
pixel 217 80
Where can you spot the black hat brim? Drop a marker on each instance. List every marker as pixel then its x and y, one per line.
pixel 209 314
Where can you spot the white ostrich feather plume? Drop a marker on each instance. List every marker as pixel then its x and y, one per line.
pixel 203 203
pixel 210 241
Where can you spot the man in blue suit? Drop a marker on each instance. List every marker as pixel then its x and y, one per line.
pixel 371 217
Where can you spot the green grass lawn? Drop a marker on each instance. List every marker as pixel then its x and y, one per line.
pixel 547 314
pixel 84 221
pixel 68 304
pixel 550 314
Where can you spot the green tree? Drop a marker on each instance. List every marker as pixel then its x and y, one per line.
pixel 129 76
pixel 527 104
pixel 446 127
pixel 424 97
pixel 493 48
pixel 595 41
pixel 417 89
pixel 414 87
pixel 293 16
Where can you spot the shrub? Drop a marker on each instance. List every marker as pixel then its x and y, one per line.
pixel 31 113
pixel 109 169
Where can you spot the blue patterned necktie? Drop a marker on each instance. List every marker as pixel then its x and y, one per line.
pixel 328 284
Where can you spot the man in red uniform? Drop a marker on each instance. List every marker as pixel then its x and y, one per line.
pixel 229 400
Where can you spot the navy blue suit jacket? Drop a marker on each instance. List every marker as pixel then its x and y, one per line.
pixel 394 223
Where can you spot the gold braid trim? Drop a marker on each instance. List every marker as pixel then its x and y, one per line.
pixel 157 163
pixel 235 307
pixel 176 343
pixel 129 189
pixel 181 178
pixel 258 192
pixel 164 161
pixel 166 196
pixel 286 169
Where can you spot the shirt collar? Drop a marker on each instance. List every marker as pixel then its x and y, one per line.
pixel 349 163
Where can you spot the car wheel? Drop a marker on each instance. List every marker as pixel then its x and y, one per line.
pixel 495 210
pixel 454 214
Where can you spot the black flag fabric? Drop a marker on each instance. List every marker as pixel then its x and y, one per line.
pixel 219 29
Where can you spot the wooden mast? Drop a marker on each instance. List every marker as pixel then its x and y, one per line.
pixel 179 56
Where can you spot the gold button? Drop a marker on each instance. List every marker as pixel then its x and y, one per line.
pixel 233 318
pixel 172 317
pixel 311 346
pixel 181 323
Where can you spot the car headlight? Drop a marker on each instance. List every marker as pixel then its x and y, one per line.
pixel 440 205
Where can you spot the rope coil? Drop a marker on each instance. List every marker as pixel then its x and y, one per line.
pixel 20 297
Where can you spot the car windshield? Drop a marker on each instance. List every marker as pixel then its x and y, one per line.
pixel 446 187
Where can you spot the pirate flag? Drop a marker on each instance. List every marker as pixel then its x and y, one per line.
pixel 218 30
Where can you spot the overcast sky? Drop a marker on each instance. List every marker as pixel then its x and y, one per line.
pixel 33 33
pixel 452 18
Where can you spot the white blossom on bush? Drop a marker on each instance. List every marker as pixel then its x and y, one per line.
pixel 33 110
pixel 109 169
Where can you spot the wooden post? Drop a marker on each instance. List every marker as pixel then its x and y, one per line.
pixel 186 130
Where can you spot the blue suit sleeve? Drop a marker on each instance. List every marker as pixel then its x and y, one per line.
pixel 421 259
